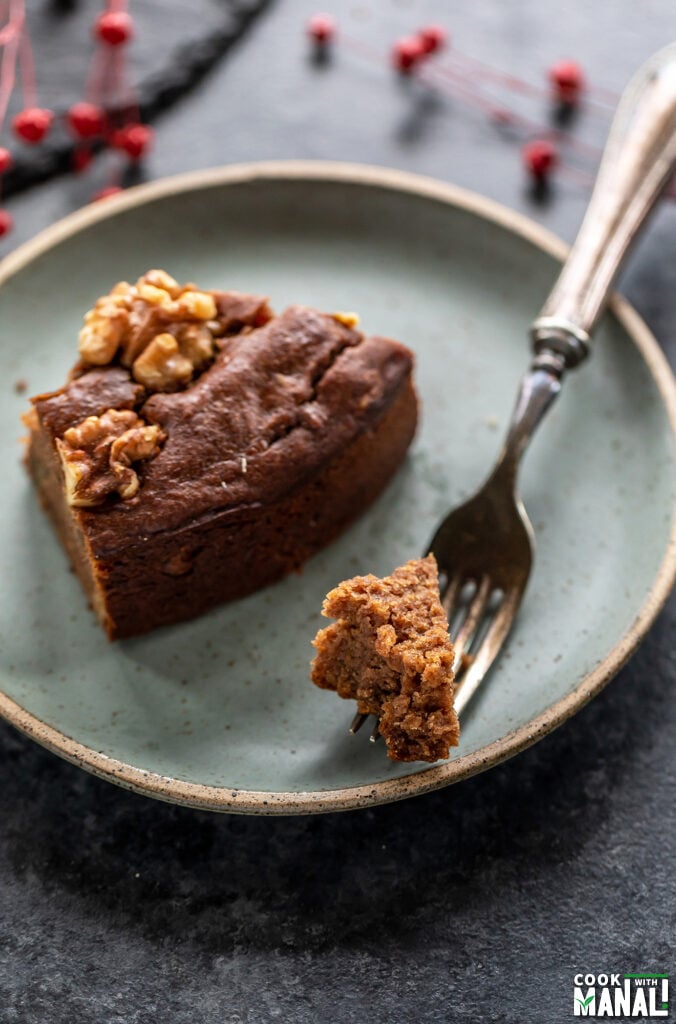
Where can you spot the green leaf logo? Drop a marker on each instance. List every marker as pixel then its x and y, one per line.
pixel 585 1002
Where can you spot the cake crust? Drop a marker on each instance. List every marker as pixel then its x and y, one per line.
pixel 391 652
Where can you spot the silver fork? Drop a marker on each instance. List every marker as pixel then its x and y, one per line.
pixel 485 547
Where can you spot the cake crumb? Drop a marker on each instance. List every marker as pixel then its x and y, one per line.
pixel 391 652
pixel 20 386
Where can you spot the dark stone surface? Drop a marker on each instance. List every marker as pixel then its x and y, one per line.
pixel 195 38
pixel 477 903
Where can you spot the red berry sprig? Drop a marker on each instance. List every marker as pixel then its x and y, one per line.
pixel 86 120
pixel 33 124
pixel 407 54
pixel 433 38
pixel 6 223
pixel 133 139
pixel 114 28
pixel 567 81
pixel 457 76
pixel 411 51
pixel 321 28
pixel 540 157
pixel 82 157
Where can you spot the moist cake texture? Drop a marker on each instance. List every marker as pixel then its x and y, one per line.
pixel 204 447
pixel 391 652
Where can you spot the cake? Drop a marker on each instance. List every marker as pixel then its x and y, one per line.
pixel 390 651
pixel 204 447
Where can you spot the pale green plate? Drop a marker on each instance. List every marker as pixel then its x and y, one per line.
pixel 220 712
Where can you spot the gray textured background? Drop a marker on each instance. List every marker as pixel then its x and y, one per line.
pixel 477 903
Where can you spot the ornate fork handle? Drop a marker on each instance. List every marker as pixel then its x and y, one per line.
pixel 638 162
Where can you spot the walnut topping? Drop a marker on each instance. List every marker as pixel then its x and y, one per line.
pixel 161 366
pixel 196 343
pixel 161 279
pixel 350 320
pixel 199 305
pixel 102 333
pixel 164 331
pixel 97 456
pixel 153 296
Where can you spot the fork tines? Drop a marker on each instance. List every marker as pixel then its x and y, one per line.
pixel 358 721
pixel 479 617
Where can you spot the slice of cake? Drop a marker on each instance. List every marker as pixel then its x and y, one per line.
pixel 204 447
pixel 391 652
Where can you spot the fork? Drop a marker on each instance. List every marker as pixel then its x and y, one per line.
pixel 485 547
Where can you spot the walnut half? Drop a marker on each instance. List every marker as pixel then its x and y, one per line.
pixel 163 330
pixel 98 454
pixel 161 366
pixel 169 361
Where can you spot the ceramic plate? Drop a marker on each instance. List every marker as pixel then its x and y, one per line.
pixel 220 713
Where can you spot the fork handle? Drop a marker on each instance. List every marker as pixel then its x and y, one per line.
pixel 638 162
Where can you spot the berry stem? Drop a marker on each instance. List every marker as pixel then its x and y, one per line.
pixel 9 40
pixel 96 76
pixel 595 95
pixel 13 12
pixel 128 95
pixel 494 74
pixel 27 67
pixel 114 85
pixel 362 49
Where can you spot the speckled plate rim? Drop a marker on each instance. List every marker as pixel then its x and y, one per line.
pixel 317 801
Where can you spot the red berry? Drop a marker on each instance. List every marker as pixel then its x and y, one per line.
pixel 86 120
pixel 407 53
pixel 5 160
pixel 540 157
pixel 114 28
pixel 433 38
pixel 321 28
pixel 133 139
pixel 106 193
pixel 6 223
pixel 82 159
pixel 567 79
pixel 32 124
